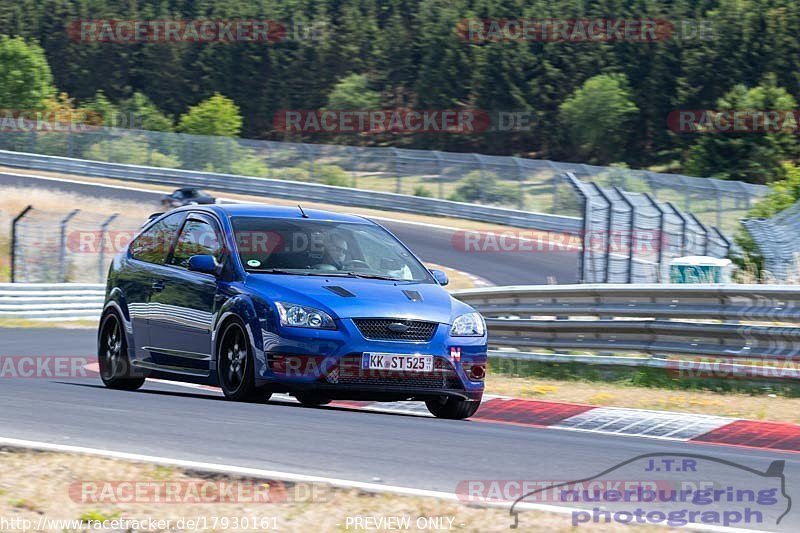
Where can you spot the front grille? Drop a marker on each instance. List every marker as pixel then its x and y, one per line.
pixel 377 329
pixel 350 372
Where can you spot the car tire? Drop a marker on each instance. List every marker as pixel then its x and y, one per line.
pixel 311 399
pixel 236 367
pixel 452 408
pixel 112 356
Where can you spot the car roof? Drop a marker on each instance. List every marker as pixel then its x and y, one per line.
pixel 277 211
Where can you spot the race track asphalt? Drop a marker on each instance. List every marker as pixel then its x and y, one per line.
pixel 171 421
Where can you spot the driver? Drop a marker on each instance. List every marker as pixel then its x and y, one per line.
pixel 334 250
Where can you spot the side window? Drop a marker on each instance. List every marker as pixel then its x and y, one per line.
pixel 153 245
pixel 197 238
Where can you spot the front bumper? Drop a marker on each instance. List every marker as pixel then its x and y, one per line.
pixel 329 361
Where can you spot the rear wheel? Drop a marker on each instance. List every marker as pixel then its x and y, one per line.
pixel 311 399
pixel 452 408
pixel 112 356
pixel 236 368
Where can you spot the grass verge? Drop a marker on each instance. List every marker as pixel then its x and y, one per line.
pixel 68 487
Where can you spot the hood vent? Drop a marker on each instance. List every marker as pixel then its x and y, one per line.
pixel 340 291
pixel 414 296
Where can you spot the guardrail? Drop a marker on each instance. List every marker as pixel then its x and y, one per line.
pixel 674 324
pixel 51 301
pixel 295 190
pixel 742 322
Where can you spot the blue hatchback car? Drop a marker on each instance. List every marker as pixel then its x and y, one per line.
pixel 258 299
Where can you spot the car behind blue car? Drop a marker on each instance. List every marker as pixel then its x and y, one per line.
pixel 259 299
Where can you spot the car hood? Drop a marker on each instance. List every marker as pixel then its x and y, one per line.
pixel 360 298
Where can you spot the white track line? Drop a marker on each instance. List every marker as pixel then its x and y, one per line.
pixel 259 473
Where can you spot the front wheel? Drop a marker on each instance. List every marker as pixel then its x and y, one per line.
pixel 452 408
pixel 236 368
pixel 311 399
pixel 112 356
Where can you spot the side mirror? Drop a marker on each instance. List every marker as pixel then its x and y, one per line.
pixel 206 264
pixel 440 277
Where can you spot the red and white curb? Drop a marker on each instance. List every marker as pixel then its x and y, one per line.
pixel 662 425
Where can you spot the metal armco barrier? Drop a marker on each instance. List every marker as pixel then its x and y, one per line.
pixel 51 301
pixel 295 190
pixel 725 321
pixel 743 322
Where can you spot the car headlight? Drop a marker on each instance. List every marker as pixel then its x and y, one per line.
pixel 300 316
pixel 468 325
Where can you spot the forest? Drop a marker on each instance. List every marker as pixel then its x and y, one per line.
pixel 605 101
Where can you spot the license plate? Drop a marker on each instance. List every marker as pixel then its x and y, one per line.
pixel 391 361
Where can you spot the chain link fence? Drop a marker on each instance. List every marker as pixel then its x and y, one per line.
pixel 631 237
pixel 520 183
pixel 777 241
pixel 69 246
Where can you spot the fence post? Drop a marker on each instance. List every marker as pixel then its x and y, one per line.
pixel 399 182
pixel 62 245
pixel 14 241
pixel 687 199
pixel 720 195
pixel 705 232
pixel 631 224
pixel 439 169
pixel 723 238
pixel 610 222
pixel 586 208
pixel 70 142
pixel 102 256
pixel 482 188
pixel 521 186
pixel 661 232
pixel 684 227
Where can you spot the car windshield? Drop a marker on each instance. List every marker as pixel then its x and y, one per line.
pixel 324 248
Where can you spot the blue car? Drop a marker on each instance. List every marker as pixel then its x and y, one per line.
pixel 259 299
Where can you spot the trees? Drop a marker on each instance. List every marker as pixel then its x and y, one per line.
pixel 25 77
pixel 756 157
pixel 139 112
pixel 596 117
pixel 485 188
pixel 412 54
pixel 353 92
pixel 217 115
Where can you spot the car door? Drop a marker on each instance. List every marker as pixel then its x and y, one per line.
pixel 183 306
pixel 147 252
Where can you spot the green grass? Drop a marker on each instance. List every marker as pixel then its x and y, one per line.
pixel 639 377
pixel 5 259
pixel 98 516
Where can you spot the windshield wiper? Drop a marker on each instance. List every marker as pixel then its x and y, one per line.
pixel 333 273
pixel 277 271
pixel 298 272
pixel 373 276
